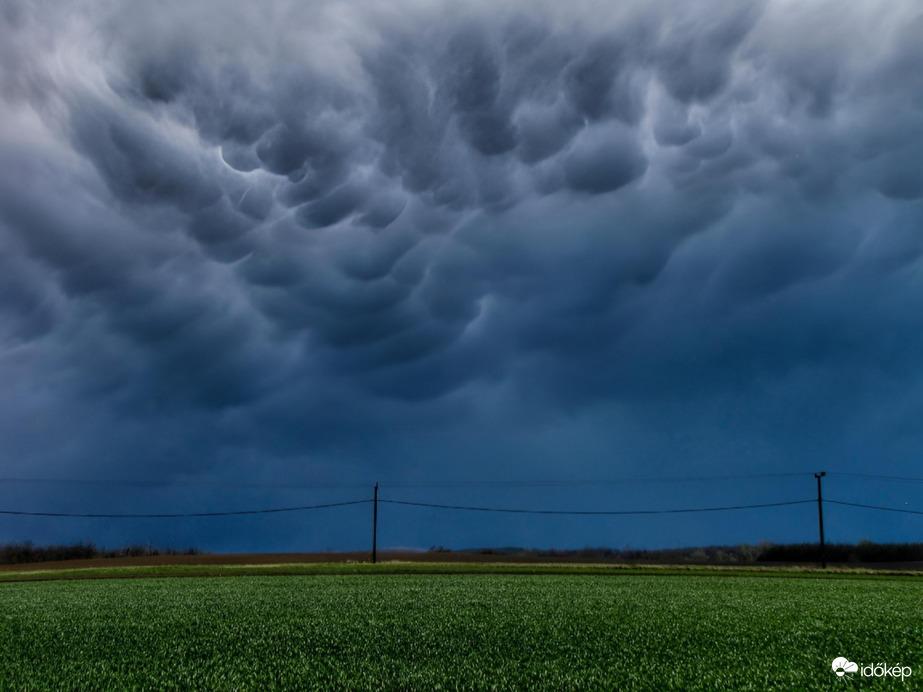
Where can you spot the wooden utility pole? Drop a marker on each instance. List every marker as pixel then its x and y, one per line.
pixel 820 519
pixel 375 526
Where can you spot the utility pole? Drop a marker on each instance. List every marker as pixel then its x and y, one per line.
pixel 820 519
pixel 375 526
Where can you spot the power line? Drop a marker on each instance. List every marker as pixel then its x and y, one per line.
pixel 142 483
pixel 593 481
pixel 617 512
pixel 145 483
pixel 552 483
pixel 883 509
pixel 878 477
pixel 399 502
pixel 186 515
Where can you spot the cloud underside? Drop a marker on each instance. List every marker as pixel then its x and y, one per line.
pixel 383 217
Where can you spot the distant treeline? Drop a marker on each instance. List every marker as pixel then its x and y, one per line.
pixel 863 551
pixel 18 553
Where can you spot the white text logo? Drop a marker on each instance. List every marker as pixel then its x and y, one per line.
pixel 842 665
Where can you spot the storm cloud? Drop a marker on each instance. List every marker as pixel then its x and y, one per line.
pixel 342 240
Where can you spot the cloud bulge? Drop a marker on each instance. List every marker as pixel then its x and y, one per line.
pixel 321 241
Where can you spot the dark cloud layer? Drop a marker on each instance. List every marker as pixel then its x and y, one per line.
pixel 344 241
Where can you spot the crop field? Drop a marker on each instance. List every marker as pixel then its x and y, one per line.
pixel 431 631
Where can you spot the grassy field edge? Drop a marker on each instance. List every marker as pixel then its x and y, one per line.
pixel 53 573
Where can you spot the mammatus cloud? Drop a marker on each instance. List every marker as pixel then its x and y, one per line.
pixel 303 225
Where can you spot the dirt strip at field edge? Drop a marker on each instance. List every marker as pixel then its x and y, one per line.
pixel 308 564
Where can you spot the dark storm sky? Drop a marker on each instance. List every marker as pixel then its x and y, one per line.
pixel 250 246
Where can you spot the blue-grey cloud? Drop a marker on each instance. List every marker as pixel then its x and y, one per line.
pixel 319 232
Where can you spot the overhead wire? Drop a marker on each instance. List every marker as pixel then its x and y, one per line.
pixel 878 477
pixel 273 510
pixel 592 481
pixel 408 484
pixel 146 483
pixel 592 512
pixel 472 508
pixel 878 507
pixel 140 482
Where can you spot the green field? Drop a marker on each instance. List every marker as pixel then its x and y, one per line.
pixel 481 631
